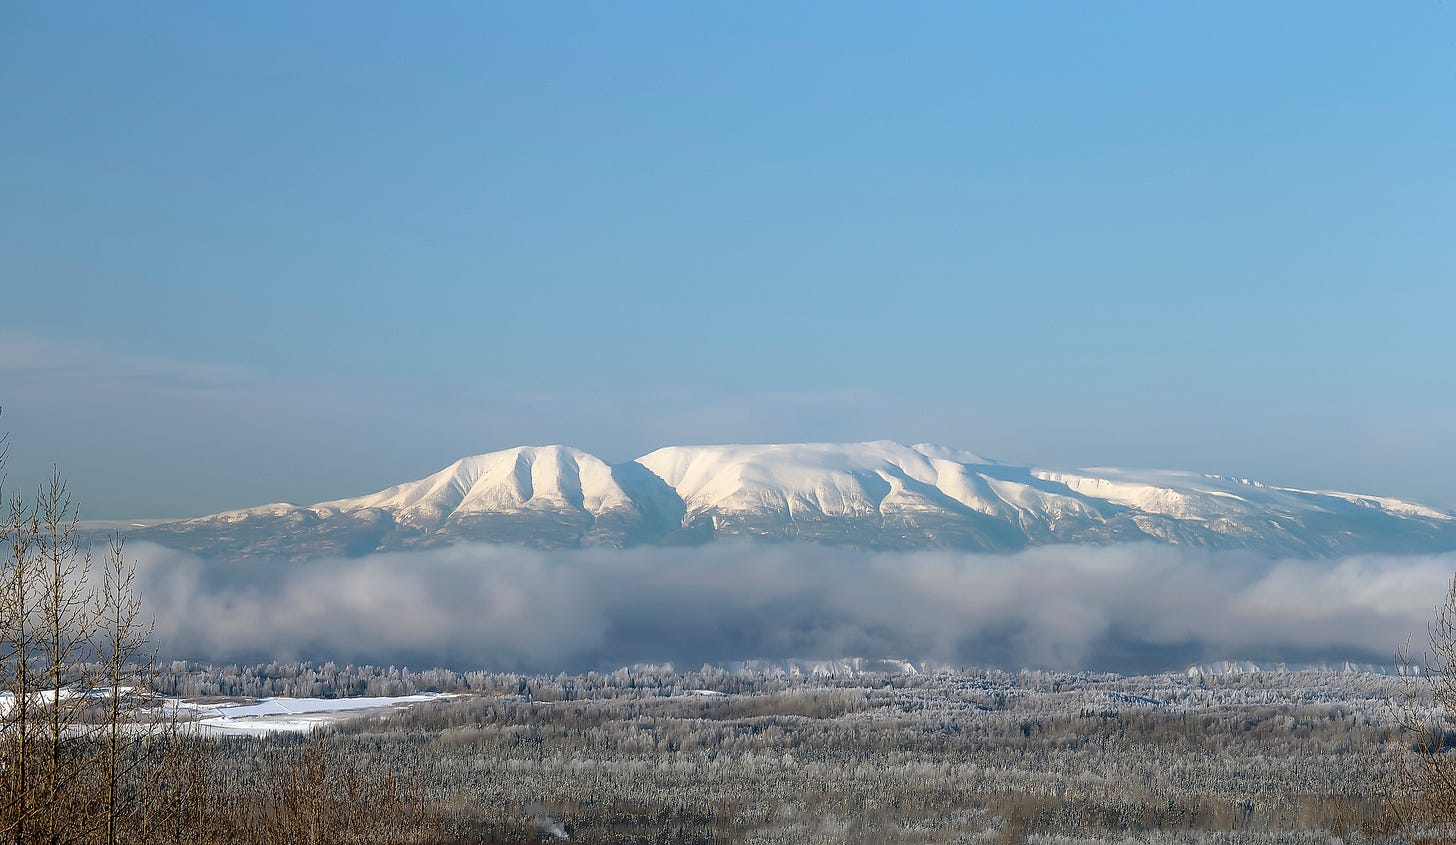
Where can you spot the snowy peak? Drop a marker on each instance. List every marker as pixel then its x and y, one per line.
pixel 825 479
pixel 1187 495
pixel 524 478
pixel 945 453
pixel 832 479
pixel 875 495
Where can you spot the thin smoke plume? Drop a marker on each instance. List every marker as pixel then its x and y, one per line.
pixel 1122 608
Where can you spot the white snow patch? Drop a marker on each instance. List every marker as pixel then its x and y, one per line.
pixel 271 715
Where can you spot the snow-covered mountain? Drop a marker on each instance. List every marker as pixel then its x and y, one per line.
pixel 878 495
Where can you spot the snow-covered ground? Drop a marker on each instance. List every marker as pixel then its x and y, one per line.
pixel 270 715
pixel 43 697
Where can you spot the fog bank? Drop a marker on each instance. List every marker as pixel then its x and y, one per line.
pixel 1123 608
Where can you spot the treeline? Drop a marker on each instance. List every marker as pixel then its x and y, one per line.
pixel 985 757
pixel 303 679
pixel 648 755
pixel 177 787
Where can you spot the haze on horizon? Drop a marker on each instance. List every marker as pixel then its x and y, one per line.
pixel 246 262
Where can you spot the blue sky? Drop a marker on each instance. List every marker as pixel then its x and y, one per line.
pixel 269 252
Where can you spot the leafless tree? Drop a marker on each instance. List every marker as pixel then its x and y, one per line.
pixel 1425 793
pixel 61 638
pixel 65 628
pixel 17 611
pixel 122 635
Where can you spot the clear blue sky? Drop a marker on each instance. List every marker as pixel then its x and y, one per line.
pixel 297 251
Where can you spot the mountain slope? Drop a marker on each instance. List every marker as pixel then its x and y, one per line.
pixel 878 495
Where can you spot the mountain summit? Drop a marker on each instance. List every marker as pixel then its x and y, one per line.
pixel 878 495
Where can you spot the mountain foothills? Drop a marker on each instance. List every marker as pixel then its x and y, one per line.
pixel 878 495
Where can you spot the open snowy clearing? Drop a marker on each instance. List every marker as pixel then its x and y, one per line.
pixel 271 715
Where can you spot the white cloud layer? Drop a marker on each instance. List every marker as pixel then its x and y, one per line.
pixel 1126 608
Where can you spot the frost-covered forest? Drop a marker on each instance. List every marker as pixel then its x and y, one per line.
pixel 652 755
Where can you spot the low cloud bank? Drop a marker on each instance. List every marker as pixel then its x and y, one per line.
pixel 1122 608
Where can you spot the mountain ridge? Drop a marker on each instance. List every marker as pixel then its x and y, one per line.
pixel 872 495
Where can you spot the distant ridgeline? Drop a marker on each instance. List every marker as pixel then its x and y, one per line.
pixel 876 496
